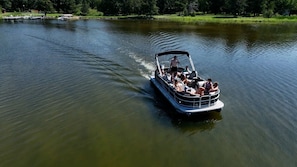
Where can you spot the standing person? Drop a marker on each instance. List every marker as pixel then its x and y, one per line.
pixel 173 66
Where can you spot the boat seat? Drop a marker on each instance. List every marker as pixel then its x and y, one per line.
pixel 192 75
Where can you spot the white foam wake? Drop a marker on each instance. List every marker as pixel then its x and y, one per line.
pixel 148 67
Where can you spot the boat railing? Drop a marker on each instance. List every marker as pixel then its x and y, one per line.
pixel 189 100
pixel 195 101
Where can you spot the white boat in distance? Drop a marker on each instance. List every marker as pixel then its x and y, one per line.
pixel 186 101
pixel 65 17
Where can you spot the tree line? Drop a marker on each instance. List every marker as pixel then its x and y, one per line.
pixel 151 7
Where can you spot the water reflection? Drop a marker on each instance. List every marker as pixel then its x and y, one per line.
pixel 230 33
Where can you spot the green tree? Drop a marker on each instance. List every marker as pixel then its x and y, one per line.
pixel 203 5
pixel 18 5
pixel 268 8
pixel 67 6
pixel 44 5
pixel 84 8
pixel 284 6
pixel 217 6
pixel 166 6
pixel 149 7
pixel 236 7
pixel 126 7
pixel 254 7
pixel 57 5
pixel 110 7
pixel 192 6
pixel 180 6
pixel 6 4
pixel 94 3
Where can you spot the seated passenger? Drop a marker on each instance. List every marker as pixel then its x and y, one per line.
pixel 205 89
pixel 187 71
pixel 162 70
pixel 178 85
pixel 184 79
pixel 215 87
pixel 192 75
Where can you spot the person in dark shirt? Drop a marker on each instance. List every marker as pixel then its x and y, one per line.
pixel 206 88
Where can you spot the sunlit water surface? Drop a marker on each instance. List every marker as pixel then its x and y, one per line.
pixel 78 94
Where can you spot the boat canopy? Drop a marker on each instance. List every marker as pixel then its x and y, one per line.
pixel 173 52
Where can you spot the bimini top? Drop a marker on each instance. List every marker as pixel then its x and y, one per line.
pixel 172 52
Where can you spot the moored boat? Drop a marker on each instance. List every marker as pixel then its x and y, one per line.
pixel 12 17
pixel 187 100
pixel 66 17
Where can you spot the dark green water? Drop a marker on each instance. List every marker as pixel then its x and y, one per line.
pixel 78 94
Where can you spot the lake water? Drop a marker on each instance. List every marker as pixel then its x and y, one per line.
pixel 78 94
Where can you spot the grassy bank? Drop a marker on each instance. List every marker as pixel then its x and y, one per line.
pixel 183 19
pixel 226 19
pixel 7 14
pixel 205 19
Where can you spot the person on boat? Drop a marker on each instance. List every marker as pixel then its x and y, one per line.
pixel 184 79
pixel 205 89
pixel 162 70
pixel 178 85
pixel 187 71
pixel 215 87
pixel 188 85
pixel 173 66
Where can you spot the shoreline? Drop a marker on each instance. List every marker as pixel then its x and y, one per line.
pixel 211 18
pixel 228 19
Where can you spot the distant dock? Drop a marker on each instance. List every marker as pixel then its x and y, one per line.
pixel 19 18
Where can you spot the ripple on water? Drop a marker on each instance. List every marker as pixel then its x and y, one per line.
pixel 165 41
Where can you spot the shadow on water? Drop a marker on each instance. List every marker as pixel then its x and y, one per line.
pixel 195 123
pixel 186 123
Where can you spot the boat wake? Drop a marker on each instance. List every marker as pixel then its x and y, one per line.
pixel 159 41
pixel 103 67
pixel 148 65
